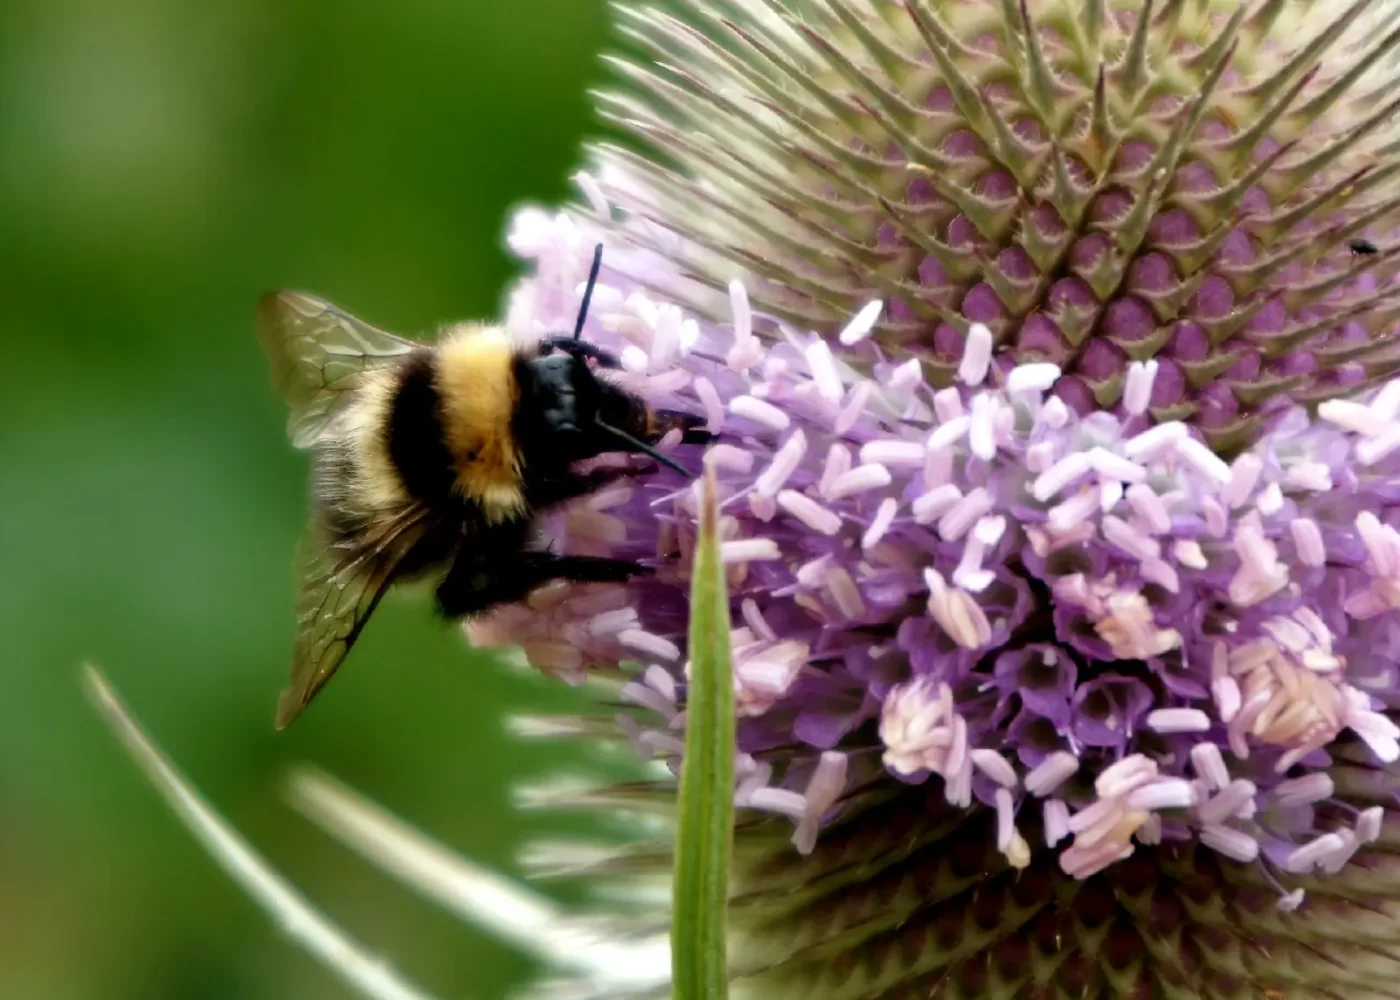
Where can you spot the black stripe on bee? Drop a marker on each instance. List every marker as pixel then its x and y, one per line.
pixel 417 444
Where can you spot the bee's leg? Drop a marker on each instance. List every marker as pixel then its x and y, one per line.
pixel 691 426
pixel 477 583
pixel 556 491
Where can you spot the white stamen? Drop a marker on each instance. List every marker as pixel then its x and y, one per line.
pixel 784 464
pixel 634 359
pixel 964 514
pixel 981 434
pixel 640 694
pixel 809 512
pixel 652 645
pixel 947 403
pixel 948 434
pixel 845 593
pixel 1304 475
pixel 1226 692
pixel 1054 414
pixel 740 310
pixel 728 456
pixel 594 193
pixel 884 517
pixel 1203 460
pixel 1304 791
pixel 1106 463
pixel 813 572
pixel 1060 475
pixel 994 766
pixel 1160 572
pixel 1232 843
pixel 779 801
pixel 1006 818
pixel 824 373
pixel 1169 793
pixel 906 377
pixel 1122 777
pixel 1270 500
pixel 1040 456
pixel 1368 824
pixel 1210 767
pixel 853 408
pixel 1227 801
pixel 714 406
pixel 1217 517
pixel 823 791
pixel 862 323
pixel 957 613
pixel 1035 377
pixel 1352 416
pixel 1110 492
pixel 1189 554
pixel 1122 535
pixel 1338 859
pixel 935 503
pixel 689 336
pixel 1051 773
pixel 1386 405
pixel 1137 393
pixel 661 680
pixel 1152 442
pixel 1056 821
pixel 753 617
pixel 1307 857
pixel 989 530
pixel 977 355
pixel 1178 720
pixel 759 411
pixel 1076 510
pixel 748 550
pixel 1149 507
pixel 838 463
pixel 892 452
pixel 861 479
pixel 1244 475
pixel 1373 450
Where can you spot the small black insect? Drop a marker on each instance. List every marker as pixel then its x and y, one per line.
pixel 1363 248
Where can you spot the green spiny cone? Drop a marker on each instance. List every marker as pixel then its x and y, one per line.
pixel 1099 182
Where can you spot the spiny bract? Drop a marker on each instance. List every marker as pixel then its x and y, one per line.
pixel 1098 182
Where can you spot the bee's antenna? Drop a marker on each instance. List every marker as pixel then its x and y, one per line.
pixel 643 447
pixel 588 289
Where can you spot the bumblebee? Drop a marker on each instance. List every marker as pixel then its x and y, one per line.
pixel 1363 248
pixel 434 462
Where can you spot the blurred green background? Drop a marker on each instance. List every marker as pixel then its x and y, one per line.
pixel 162 163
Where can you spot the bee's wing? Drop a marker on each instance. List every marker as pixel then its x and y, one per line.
pixel 339 589
pixel 319 353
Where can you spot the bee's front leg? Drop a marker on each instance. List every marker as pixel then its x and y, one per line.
pixel 477 583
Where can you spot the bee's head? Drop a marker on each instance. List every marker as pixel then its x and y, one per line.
pixel 568 413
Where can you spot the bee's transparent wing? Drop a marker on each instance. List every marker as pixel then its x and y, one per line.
pixel 319 354
pixel 340 585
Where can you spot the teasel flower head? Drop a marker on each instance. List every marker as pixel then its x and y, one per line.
pixel 1059 477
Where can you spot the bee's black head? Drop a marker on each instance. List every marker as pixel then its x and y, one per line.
pixel 568 413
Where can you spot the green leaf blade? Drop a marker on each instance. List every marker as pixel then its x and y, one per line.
pixel 705 833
